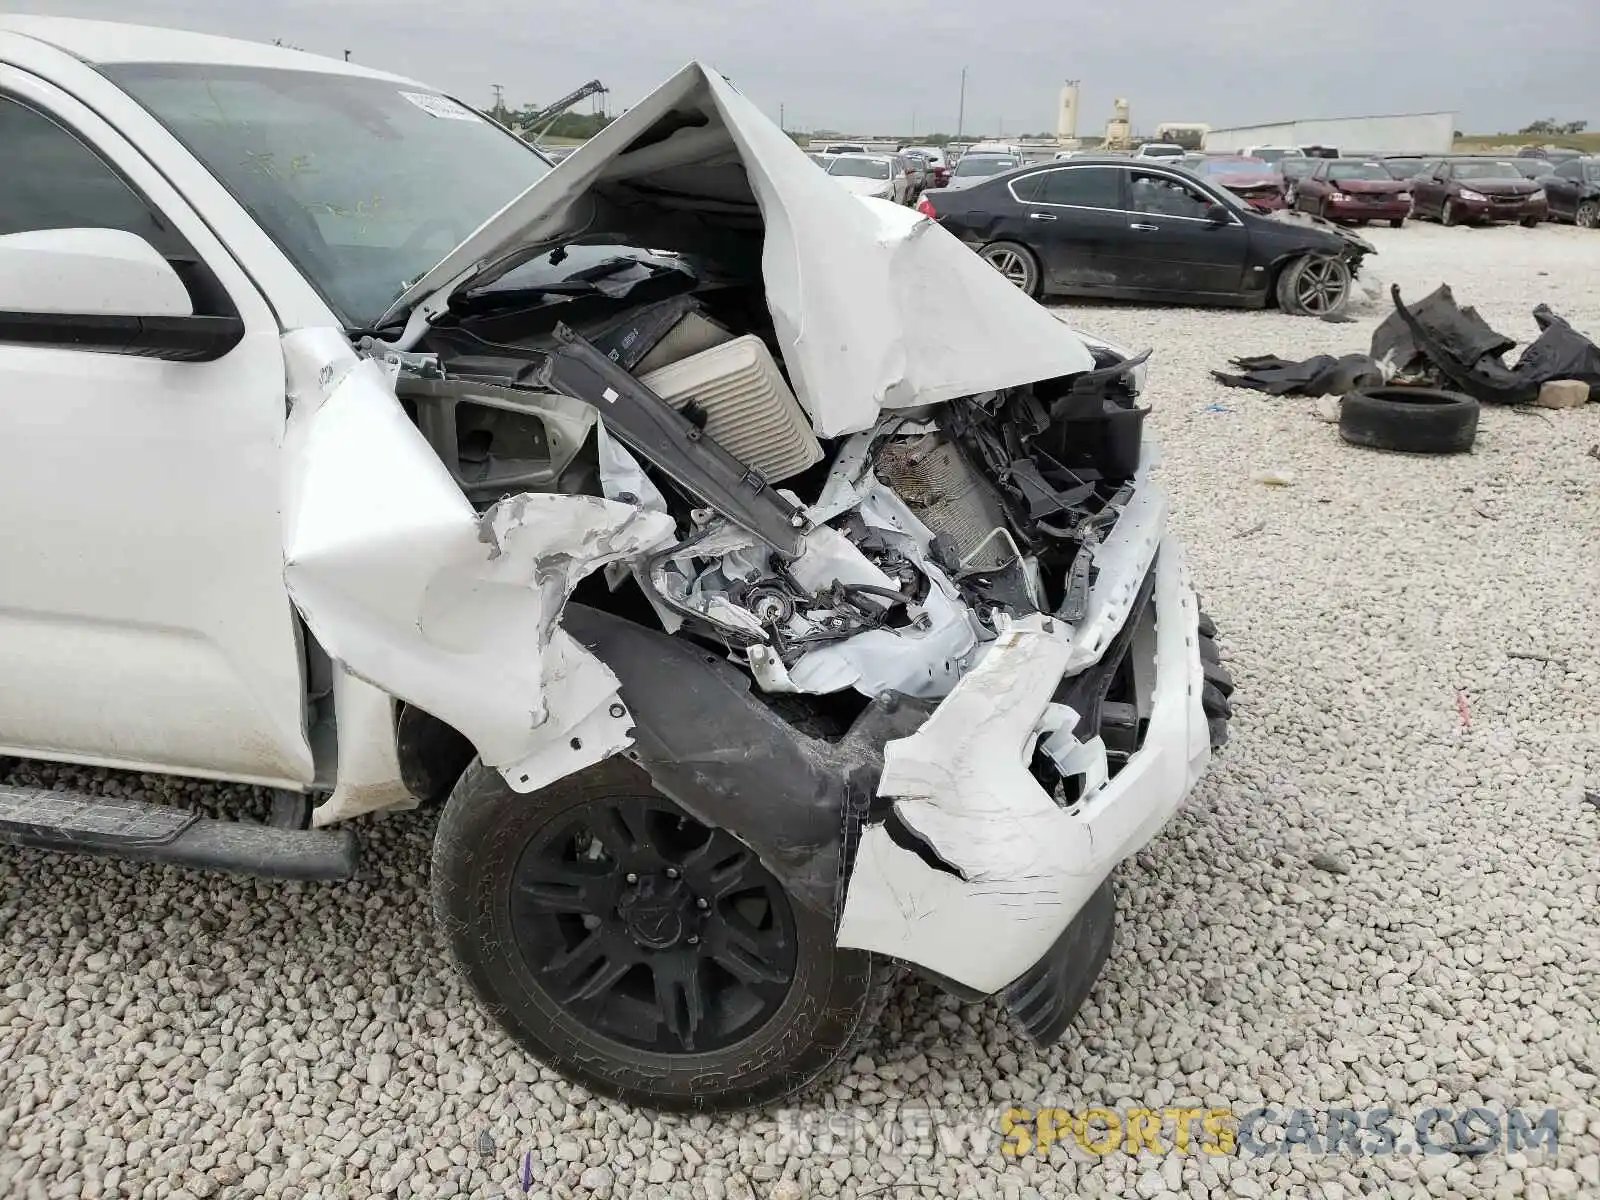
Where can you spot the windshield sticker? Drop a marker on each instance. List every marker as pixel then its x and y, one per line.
pixel 440 106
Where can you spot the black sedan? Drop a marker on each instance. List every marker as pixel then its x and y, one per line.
pixel 1130 230
pixel 1574 192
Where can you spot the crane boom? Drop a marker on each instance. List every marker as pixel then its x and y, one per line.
pixel 550 111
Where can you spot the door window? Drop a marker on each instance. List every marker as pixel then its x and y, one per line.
pixel 1029 189
pixel 1570 170
pixel 1083 187
pixel 54 181
pixel 1165 196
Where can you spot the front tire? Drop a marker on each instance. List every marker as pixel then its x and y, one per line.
pixel 1447 214
pixel 1315 285
pixel 1017 263
pixel 1587 215
pixel 633 948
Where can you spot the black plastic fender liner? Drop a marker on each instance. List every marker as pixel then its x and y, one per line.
pixel 1047 998
pixel 732 762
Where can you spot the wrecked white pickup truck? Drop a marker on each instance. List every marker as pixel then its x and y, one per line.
pixel 771 593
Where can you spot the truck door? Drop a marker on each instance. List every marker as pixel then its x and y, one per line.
pixel 144 620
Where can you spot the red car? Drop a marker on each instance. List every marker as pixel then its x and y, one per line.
pixel 1353 189
pixel 1254 180
pixel 1478 190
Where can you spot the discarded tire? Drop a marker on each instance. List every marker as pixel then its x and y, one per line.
pixel 1409 419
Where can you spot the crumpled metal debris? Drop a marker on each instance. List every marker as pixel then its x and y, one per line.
pixel 412 591
pixel 1436 343
pixel 1436 337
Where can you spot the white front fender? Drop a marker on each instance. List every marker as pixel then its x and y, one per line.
pixel 413 591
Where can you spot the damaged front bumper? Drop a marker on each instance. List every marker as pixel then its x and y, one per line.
pixel 994 869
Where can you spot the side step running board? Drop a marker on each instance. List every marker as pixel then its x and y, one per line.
pixel 85 824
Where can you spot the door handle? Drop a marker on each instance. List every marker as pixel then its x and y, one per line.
pixel 1143 227
pixel 1041 216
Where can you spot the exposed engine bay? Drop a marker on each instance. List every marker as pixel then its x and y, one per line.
pixel 878 562
pixel 793 501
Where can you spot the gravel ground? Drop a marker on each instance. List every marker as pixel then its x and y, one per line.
pixel 1385 892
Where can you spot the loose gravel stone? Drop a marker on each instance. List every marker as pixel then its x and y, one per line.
pixel 170 1033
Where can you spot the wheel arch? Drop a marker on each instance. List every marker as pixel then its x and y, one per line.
pixel 1039 278
pixel 1278 266
pixel 710 745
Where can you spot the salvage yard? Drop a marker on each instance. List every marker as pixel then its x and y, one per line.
pixel 1385 891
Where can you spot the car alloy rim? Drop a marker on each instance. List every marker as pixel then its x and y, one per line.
pixel 1321 285
pixel 1589 215
pixel 652 929
pixel 1010 264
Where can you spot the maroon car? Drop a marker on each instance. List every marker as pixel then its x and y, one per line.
pixel 1478 190
pixel 1253 180
pixel 1353 189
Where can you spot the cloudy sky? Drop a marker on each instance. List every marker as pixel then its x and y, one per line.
pixel 877 65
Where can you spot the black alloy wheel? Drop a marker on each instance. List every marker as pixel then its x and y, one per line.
pixel 639 950
pixel 1315 285
pixel 650 928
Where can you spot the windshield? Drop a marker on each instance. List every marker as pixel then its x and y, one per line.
pixel 364 183
pixel 1486 170
pixel 1402 168
pixel 1359 170
pixel 860 168
pixel 1269 154
pixel 984 164
pixel 1254 168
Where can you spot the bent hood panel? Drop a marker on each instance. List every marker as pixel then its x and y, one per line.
pixel 875 307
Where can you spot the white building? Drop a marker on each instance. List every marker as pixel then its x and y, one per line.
pixel 1418 133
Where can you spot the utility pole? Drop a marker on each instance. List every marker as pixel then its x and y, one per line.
pixel 961 113
pixel 913 121
pixel 781 124
pixel 499 98
pixel 347 56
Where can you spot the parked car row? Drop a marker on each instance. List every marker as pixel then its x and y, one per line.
pixel 1454 190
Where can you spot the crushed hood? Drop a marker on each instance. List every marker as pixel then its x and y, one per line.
pixel 875 306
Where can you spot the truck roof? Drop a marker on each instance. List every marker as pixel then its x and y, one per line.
pixel 107 42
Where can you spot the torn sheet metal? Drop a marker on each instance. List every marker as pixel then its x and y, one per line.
pixel 875 306
pixel 368 778
pixel 1005 869
pixel 412 591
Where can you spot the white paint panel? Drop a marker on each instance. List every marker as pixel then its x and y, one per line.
pixel 143 617
pixel 107 272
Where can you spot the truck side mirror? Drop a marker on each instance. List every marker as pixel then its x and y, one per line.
pixel 106 291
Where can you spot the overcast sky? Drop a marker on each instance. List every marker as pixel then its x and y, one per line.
pixel 874 65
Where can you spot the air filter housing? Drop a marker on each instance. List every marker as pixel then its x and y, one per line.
pixel 750 410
